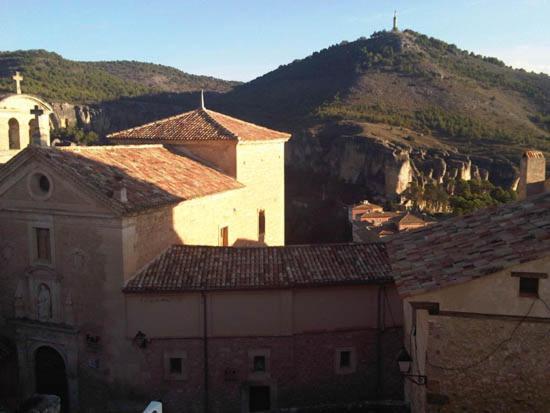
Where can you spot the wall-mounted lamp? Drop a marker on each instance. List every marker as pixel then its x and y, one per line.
pixel 405 361
pixel 93 342
pixel 141 340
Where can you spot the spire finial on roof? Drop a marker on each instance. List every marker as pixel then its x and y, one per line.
pixel 202 99
pixel 395 29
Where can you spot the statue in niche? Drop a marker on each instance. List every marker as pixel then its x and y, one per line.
pixel 44 303
pixel 7 253
pixel 79 259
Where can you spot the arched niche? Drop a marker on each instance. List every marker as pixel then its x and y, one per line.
pixel 14 135
pixel 34 130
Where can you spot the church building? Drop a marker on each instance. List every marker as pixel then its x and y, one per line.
pixel 155 269
pixel 24 120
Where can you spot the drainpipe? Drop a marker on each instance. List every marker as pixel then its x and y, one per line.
pixel 380 325
pixel 205 350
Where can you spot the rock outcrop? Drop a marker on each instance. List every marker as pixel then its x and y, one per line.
pixel 387 168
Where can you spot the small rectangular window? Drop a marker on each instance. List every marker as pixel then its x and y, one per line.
pixel 261 225
pixel 259 363
pixel 345 359
pixel 175 365
pixel 528 287
pixel 43 247
pixel 224 237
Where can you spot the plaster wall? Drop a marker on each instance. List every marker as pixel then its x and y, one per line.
pixel 260 167
pixel 262 312
pixel 493 295
pixel 195 222
pixel 220 154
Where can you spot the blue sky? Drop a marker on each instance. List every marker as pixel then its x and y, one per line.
pixel 242 39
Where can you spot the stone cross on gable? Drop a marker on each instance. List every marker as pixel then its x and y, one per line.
pixel 36 112
pixel 35 131
pixel 18 78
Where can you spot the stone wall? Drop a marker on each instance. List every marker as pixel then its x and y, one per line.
pixel 301 372
pixel 487 364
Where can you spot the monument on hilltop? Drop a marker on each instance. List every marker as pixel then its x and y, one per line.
pixel 394 28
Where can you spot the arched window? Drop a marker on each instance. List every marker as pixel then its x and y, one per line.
pixel 14 138
pixel 34 131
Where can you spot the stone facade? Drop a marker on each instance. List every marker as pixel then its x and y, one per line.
pixel 299 332
pixel 514 377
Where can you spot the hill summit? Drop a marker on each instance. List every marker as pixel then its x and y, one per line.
pixel 410 80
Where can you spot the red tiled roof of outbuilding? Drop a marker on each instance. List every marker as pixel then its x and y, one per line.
pixel 188 268
pixel 464 248
pixel 197 125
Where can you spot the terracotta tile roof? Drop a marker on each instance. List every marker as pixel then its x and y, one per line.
pixel 152 175
pixel 197 125
pixel 411 219
pixel 366 205
pixel 184 268
pixel 376 214
pixel 464 248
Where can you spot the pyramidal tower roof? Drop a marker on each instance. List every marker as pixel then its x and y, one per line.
pixel 197 125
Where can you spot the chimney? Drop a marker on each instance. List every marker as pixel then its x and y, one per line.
pixel 119 190
pixel 532 174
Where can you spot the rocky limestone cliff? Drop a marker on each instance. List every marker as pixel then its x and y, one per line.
pixel 107 117
pixel 385 168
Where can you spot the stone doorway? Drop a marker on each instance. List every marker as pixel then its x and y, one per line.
pixel 259 399
pixel 14 137
pixel 51 375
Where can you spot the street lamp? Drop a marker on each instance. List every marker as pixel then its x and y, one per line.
pixel 141 340
pixel 404 360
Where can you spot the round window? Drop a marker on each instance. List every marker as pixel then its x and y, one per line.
pixel 44 183
pixel 40 186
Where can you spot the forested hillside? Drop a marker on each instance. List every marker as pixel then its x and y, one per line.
pixel 57 79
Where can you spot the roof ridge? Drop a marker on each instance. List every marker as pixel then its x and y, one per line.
pixel 244 121
pixel 330 244
pixel 215 123
pixel 100 147
pixel 135 128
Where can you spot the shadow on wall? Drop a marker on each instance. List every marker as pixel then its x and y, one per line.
pixel 243 242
